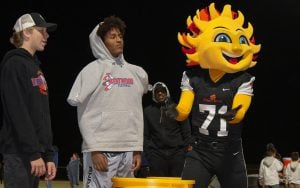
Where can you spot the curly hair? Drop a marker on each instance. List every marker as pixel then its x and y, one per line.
pixel 109 23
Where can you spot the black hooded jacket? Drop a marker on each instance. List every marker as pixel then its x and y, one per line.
pixel 26 123
pixel 162 133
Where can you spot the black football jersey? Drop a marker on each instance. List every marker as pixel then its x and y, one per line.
pixel 212 99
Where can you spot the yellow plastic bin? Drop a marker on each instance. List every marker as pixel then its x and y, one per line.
pixel 166 178
pixel 152 182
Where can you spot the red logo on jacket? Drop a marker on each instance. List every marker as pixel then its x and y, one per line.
pixel 40 81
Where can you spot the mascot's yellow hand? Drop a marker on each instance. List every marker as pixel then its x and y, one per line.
pixel 244 101
pixel 185 105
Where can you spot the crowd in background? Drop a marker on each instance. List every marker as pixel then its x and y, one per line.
pixel 275 170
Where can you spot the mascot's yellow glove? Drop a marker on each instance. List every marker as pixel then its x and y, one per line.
pixel 244 101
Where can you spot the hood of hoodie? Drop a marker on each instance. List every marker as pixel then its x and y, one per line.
pixel 100 51
pixel 268 161
pixel 19 52
pixel 294 165
pixel 164 86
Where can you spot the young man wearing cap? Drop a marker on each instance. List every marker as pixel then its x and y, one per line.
pixel 165 140
pixel 25 134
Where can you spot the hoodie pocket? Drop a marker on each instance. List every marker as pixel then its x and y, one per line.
pixel 118 126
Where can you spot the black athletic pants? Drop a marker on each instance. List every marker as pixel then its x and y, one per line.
pixel 223 159
pixel 167 164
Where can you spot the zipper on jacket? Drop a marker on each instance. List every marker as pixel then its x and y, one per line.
pixel 161 114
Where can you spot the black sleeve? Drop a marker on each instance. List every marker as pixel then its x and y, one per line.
pixel 49 155
pixel 147 136
pixel 15 89
pixel 185 127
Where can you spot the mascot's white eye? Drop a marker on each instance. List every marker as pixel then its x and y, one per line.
pixel 222 37
pixel 243 40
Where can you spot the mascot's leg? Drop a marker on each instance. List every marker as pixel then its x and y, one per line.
pixel 194 169
pixel 234 173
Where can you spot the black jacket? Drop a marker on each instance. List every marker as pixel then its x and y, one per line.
pixel 26 124
pixel 162 133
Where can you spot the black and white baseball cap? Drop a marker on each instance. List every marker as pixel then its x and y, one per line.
pixel 33 19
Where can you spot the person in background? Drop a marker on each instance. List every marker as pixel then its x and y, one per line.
pixel 55 160
pixel 292 171
pixel 269 168
pixel 108 95
pixel 165 140
pixel 73 170
pixel 26 135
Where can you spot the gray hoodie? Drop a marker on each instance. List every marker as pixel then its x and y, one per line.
pixel 108 95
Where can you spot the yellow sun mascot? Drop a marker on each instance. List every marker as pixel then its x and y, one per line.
pixel 216 95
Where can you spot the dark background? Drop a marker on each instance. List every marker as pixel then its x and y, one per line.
pixel 151 42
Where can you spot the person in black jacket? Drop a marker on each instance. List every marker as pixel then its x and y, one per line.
pixel 165 140
pixel 25 134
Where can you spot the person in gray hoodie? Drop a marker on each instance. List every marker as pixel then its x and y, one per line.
pixel 108 95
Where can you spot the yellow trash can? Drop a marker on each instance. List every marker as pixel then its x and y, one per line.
pixel 152 182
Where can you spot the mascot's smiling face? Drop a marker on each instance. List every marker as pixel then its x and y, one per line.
pixel 219 41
